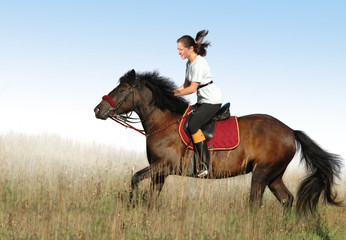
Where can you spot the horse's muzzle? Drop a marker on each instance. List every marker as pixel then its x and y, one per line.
pixel 100 114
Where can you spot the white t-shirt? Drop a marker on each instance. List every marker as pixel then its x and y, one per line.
pixel 199 71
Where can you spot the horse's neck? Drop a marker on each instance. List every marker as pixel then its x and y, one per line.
pixel 154 119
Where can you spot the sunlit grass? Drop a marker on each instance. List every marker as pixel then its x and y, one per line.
pixel 53 188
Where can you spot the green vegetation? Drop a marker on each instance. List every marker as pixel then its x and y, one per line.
pixel 51 188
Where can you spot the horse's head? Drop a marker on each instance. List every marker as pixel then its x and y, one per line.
pixel 137 91
pixel 121 99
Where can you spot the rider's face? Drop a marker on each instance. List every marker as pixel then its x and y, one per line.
pixel 183 51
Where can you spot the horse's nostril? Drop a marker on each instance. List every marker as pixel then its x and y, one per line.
pixel 96 110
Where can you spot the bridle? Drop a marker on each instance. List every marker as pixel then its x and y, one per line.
pixel 123 119
pixel 126 118
pixel 116 106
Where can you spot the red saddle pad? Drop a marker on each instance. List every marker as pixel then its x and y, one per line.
pixel 226 136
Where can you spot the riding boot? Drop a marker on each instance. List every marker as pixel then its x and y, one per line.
pixel 201 151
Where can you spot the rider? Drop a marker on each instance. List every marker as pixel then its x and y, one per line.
pixel 209 98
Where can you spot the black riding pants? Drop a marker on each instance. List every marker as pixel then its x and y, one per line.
pixel 203 113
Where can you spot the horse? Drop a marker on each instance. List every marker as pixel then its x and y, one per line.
pixel 266 148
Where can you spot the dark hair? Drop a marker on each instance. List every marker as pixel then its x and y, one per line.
pixel 199 46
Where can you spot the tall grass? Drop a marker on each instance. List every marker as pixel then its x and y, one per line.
pixel 55 188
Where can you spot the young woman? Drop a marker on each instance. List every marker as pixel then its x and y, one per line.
pixel 198 79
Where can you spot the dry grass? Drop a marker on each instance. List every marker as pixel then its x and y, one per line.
pixel 52 188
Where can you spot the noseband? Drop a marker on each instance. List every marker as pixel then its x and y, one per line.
pixel 116 106
pixel 124 117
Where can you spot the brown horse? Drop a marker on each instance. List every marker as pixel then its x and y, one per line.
pixel 267 145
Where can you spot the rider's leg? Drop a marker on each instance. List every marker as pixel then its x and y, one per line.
pixel 201 151
pixel 203 113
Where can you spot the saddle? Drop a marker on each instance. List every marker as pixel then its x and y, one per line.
pixel 221 132
pixel 208 129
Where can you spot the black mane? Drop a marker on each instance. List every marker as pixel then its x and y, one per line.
pixel 161 88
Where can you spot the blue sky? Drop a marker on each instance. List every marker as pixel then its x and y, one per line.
pixel 283 58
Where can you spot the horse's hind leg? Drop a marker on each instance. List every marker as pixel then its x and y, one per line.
pixel 281 192
pixel 258 184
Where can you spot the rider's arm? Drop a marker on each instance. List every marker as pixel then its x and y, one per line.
pixel 186 84
pixel 191 88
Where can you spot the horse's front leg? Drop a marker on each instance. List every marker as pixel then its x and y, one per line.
pixel 158 174
pixel 135 180
pixel 157 182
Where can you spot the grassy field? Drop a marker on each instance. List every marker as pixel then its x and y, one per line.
pixel 53 188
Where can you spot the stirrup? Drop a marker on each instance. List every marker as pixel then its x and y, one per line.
pixel 203 174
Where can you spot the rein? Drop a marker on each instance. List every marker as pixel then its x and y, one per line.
pixel 127 125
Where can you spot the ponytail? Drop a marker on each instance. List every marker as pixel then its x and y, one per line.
pixel 198 44
pixel 201 46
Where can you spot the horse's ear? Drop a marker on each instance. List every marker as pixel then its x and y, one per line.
pixel 132 74
pixel 130 78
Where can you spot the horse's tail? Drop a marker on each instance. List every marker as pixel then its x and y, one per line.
pixel 324 167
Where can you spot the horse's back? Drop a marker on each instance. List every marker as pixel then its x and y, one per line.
pixel 266 139
pixel 263 123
